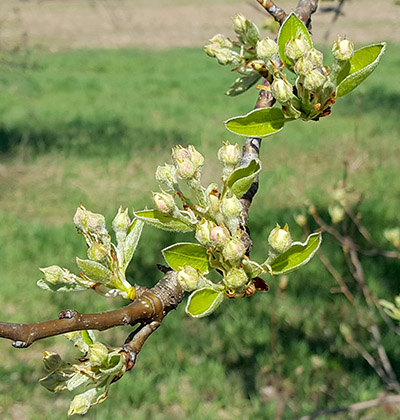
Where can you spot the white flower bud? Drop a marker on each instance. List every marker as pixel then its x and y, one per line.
pixel 85 220
pixel 166 174
pixel 121 221
pixel 314 80
pixel 98 353
pixel 303 66
pixel 97 251
pixel 280 239
pixel 221 40
pixel 188 278
pixel 219 235
pixel 282 91
pixel 231 207
pixel 164 202
pixel 196 157
pixel 236 278
pixel 234 250
pixel 337 213
pixel 393 236
pixel 295 48
pixel 203 232
pixel 267 49
pixel 315 57
pixel 239 24
pixel 229 154
pixel 343 50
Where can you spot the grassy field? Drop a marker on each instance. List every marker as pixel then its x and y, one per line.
pixel 91 126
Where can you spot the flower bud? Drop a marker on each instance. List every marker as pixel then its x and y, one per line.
pixel 280 239
pixel 185 169
pixel 85 220
pixel 267 49
pixel 314 80
pixel 179 153
pixel 187 278
pixel 295 48
pixel 221 40
pixel 203 232
pixel 236 278
pixel 52 361
pixel 315 57
pixel 166 174
pixel 219 235
pixel 97 251
pixel 231 207
pixel 343 50
pixel 53 274
pixel 121 221
pixel 303 66
pixel 393 236
pixel 282 90
pixel 247 31
pixel 215 204
pixel 196 157
pixel 234 250
pixel 229 154
pixel 337 213
pixel 164 202
pixel 98 353
pixel 239 24
pixel 300 219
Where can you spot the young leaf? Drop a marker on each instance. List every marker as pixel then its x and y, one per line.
pixel 257 123
pixel 293 27
pixel 242 84
pixel 94 270
pixel 162 221
pixel 132 239
pixel 203 302
pixel 241 179
pixel 179 255
pixel 363 63
pixel 297 255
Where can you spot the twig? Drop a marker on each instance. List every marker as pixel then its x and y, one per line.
pixel 275 11
pixel 304 10
pixel 338 12
pixel 389 399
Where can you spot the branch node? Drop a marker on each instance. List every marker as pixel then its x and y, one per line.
pixel 20 344
pixel 67 314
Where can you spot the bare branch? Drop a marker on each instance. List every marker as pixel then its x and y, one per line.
pixel 304 10
pixel 389 399
pixel 275 11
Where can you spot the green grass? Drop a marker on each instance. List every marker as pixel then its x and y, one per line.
pixel 90 127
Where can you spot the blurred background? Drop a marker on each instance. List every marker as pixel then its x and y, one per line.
pixel 93 95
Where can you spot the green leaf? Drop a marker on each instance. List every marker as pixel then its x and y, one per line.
pixel 61 287
pixel 293 27
pixel 297 255
pixel 363 63
pixel 179 255
pixel 241 179
pixel 94 270
pixel 132 239
pixel 203 302
pixel 257 123
pixel 241 84
pixel 162 221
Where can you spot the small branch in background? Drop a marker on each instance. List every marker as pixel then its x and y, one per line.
pixel 353 408
pixel 337 12
pixel 275 11
pixel 304 10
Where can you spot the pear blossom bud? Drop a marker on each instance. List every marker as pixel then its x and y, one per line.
pixel 247 31
pixel 187 278
pixel 52 361
pixel 215 204
pixel 280 239
pixel 97 251
pixel 267 49
pixel 314 80
pixel 229 154
pixel 239 24
pixel 219 236
pixel 231 207
pixel 300 219
pixel 197 158
pixel 221 40
pixel 166 174
pixel 85 220
pixel 53 274
pixel 164 202
pixel 393 236
pixel 185 169
pixel 234 250
pixel 98 353
pixel 315 57
pixel 303 66
pixel 282 91
pixel 337 213
pixel 343 50
pixel 236 278
pixel 295 48
pixel 203 232
pixel 121 221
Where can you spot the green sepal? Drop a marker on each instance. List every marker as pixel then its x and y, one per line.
pixel 94 270
pixel 164 222
pixel 363 63
pixel 297 255
pixel 292 27
pixel 257 123
pixel 242 84
pixel 181 254
pixel 241 179
pixel 203 302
